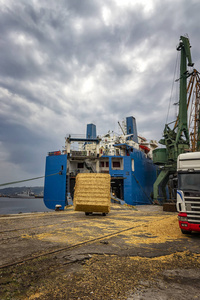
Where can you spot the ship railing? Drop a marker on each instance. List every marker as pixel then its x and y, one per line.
pixel 74 153
pixel 82 153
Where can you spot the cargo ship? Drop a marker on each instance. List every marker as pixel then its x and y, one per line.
pixel 126 157
pixel 28 194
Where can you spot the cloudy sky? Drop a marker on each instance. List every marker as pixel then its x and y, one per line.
pixel 66 63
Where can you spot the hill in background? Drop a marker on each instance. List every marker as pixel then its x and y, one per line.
pixel 13 190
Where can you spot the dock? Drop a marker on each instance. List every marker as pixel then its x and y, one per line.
pixel 130 253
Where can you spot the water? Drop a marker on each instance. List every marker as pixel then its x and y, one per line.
pixel 21 205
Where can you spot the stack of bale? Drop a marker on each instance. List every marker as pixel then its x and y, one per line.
pixel 92 193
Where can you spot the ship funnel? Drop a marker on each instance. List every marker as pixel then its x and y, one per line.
pixel 91 131
pixel 131 128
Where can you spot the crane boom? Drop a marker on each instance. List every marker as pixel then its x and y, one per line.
pixel 173 140
pixel 184 47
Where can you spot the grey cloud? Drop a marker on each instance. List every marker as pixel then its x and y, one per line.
pixel 62 44
pixel 25 146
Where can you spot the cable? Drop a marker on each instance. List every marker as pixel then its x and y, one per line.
pixel 151 201
pixel 13 182
pixel 172 87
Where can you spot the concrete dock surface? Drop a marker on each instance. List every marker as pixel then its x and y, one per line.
pixel 131 253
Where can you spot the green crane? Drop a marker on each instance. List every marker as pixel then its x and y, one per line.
pixel 176 140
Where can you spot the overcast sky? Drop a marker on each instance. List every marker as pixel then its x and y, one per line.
pixel 64 64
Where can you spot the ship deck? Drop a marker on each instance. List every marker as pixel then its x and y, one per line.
pixel 127 254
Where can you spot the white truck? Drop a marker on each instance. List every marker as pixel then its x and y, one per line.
pixel 188 192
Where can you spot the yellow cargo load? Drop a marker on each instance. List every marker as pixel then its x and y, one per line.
pixel 92 193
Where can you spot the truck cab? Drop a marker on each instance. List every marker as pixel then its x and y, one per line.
pixel 188 192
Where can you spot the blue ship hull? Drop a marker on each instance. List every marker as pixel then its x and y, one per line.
pixel 132 171
pixel 134 182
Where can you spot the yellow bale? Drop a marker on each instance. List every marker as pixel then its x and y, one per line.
pixel 92 192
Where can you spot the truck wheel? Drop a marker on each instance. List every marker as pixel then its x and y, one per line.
pixel 185 231
pixel 103 214
pixel 87 213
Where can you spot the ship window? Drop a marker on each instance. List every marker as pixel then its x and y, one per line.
pixel 62 168
pixel 80 165
pixel 104 164
pixel 133 167
pixel 101 164
pixel 116 164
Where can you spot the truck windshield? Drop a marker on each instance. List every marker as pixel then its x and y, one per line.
pixel 189 181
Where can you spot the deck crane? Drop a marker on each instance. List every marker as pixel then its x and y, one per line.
pixel 176 140
pixel 194 110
